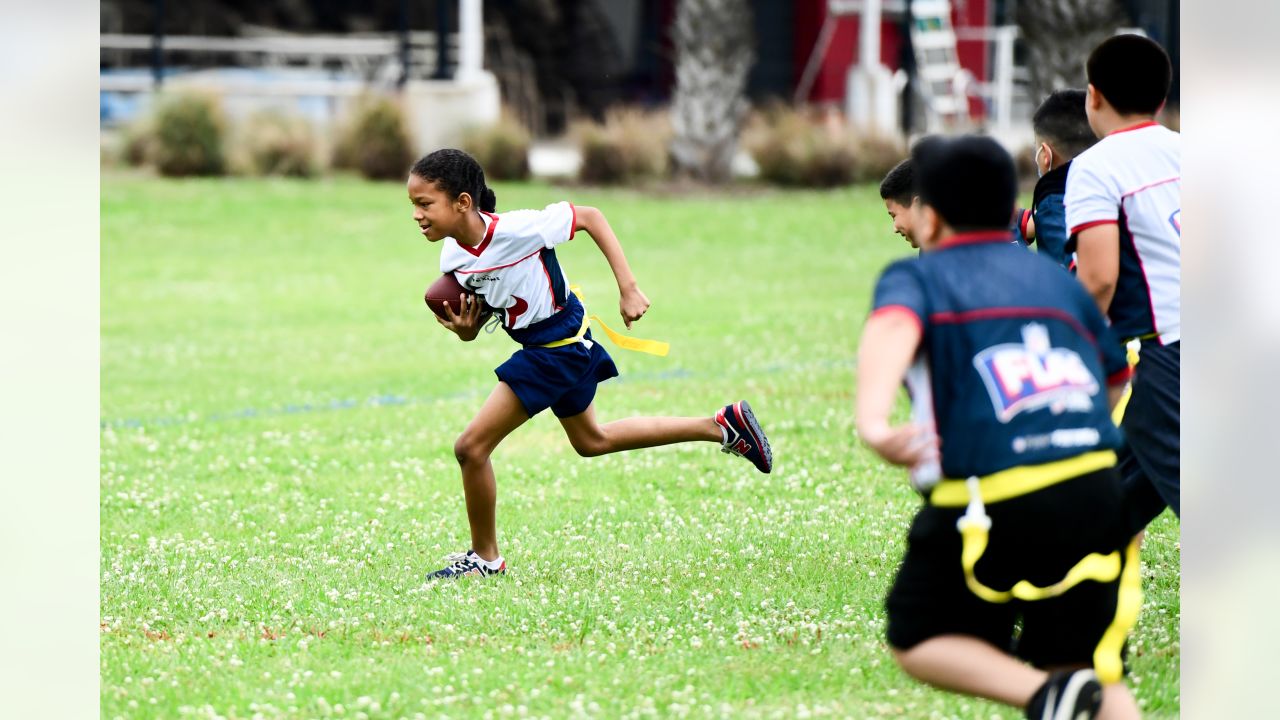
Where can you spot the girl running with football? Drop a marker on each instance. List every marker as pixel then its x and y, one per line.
pixel 509 262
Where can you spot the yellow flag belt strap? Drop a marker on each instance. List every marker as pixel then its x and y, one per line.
pixel 975 524
pixel 1020 480
pixel 635 344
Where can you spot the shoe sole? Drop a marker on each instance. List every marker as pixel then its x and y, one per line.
pixel 743 410
pixel 470 573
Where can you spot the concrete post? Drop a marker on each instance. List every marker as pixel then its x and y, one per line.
pixel 470 38
pixel 869 34
pixel 869 85
pixel 1004 35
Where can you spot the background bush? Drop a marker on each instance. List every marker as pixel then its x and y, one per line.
pixel 375 141
pixel 631 144
pixel 793 149
pixel 877 155
pixel 1024 162
pixel 187 136
pixel 275 143
pixel 136 140
pixel 501 149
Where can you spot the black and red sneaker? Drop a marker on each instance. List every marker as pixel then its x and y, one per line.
pixel 743 436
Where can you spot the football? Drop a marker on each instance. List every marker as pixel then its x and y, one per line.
pixel 447 288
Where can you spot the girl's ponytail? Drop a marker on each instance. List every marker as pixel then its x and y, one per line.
pixel 488 200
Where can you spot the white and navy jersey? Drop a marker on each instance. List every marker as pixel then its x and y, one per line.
pixel 515 268
pixel 1133 178
pixel 1019 356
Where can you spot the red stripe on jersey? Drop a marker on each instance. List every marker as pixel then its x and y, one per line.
pixel 499 267
pixel 1139 126
pixel 488 235
pixel 998 313
pixel 1091 223
pixel 896 309
pixel 981 236
pixel 573 222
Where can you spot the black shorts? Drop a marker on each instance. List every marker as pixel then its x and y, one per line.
pixel 1150 467
pixel 1036 537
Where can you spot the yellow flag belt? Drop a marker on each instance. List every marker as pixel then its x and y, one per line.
pixel 975 524
pixel 635 344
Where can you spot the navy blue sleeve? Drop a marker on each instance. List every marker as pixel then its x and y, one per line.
pixel 1051 227
pixel 899 289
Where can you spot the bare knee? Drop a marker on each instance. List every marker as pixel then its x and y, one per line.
pixel 590 444
pixel 469 451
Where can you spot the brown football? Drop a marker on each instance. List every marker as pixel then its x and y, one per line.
pixel 446 288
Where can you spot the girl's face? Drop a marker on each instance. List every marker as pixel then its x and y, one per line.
pixel 437 214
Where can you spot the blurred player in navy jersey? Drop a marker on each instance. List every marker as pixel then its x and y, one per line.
pixel 1014 373
pixel 1062 132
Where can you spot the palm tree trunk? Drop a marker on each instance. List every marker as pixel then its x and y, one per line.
pixel 1059 35
pixel 715 48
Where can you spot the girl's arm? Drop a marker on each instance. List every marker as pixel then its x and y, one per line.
pixel 632 303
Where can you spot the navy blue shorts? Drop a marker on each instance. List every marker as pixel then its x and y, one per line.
pixel 563 378
pixel 1150 465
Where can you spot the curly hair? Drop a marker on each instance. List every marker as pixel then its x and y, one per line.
pixel 456 172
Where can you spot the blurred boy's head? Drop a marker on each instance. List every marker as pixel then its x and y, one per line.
pixel 965 184
pixel 899 194
pixel 1062 130
pixel 1129 77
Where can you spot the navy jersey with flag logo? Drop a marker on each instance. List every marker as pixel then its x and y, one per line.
pixel 1018 353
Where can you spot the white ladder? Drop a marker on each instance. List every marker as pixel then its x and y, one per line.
pixel 942 81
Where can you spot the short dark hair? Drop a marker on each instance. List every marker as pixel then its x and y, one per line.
pixel 1061 120
pixel 969 180
pixel 1132 72
pixel 899 184
pixel 457 172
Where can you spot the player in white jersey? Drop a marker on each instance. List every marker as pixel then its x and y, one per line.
pixel 1124 214
pixel 509 261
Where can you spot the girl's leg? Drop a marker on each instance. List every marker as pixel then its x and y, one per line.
pixel 500 414
pixel 590 438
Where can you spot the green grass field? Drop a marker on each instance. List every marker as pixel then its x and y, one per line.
pixel 278 416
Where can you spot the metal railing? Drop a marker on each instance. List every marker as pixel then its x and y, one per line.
pixel 372 58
